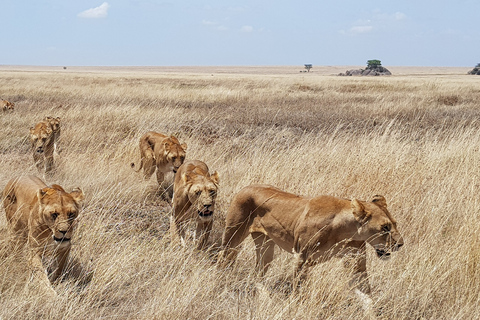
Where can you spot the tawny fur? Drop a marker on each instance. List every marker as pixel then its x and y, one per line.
pixel 195 191
pixel 161 153
pixel 44 218
pixel 315 229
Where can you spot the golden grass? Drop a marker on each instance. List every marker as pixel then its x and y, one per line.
pixel 413 138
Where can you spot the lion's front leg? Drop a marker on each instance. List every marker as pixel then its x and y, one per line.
pixel 49 165
pixel 359 281
pixel 39 161
pixel 203 229
pixel 160 177
pixel 264 247
pixel 61 258
pixel 177 228
pixel 301 269
pixel 38 273
pixel 357 260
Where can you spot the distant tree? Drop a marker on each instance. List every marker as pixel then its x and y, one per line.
pixel 374 63
pixel 478 65
pixel 308 67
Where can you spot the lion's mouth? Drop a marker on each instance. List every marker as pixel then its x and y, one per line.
pixel 205 214
pixel 61 239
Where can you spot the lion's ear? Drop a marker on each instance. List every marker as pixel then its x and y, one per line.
pixel 57 187
pixel 215 177
pixel 41 193
pixel 186 178
pixel 32 130
pixel 77 195
pixel 380 201
pixel 359 212
pixel 184 146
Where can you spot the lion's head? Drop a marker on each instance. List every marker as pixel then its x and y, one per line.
pixel 7 105
pixel 377 226
pixel 202 191
pixel 174 152
pixel 54 123
pixel 41 137
pixel 59 211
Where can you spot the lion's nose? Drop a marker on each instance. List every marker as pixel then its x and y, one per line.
pixel 62 231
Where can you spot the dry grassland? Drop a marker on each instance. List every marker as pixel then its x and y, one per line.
pixel 414 139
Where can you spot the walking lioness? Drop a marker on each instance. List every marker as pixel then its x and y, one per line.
pixel 43 217
pixel 195 191
pixel 42 140
pixel 314 228
pixel 160 152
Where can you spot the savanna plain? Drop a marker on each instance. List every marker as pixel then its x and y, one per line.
pixel 413 137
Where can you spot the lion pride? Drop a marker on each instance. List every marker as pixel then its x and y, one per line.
pixel 195 191
pixel 160 152
pixel 42 138
pixel 44 218
pixel 315 229
pixel 7 105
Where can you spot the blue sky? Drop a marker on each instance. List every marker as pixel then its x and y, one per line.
pixel 249 32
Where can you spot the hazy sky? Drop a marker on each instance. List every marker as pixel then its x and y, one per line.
pixel 248 32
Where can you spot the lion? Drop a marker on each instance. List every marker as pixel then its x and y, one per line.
pixel 55 125
pixel 160 152
pixel 42 140
pixel 195 191
pixel 7 105
pixel 44 218
pixel 315 229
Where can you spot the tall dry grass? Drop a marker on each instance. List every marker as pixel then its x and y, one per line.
pixel 413 139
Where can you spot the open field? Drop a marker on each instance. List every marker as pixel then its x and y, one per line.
pixel 413 137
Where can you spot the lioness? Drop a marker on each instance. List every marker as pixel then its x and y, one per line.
pixel 195 191
pixel 55 125
pixel 158 151
pixel 44 218
pixel 42 140
pixel 314 228
pixel 7 105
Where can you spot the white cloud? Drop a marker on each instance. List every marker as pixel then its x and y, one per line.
pixel 377 20
pixel 209 23
pixel 214 25
pixel 98 12
pixel 361 29
pixel 246 29
pixel 399 16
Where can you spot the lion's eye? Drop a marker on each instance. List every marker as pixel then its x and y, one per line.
pixel 54 215
pixel 44 139
pixel 174 158
pixel 71 215
pixel 182 159
pixel 199 192
pixel 386 228
pixel 213 193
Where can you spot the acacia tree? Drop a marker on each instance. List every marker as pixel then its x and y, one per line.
pixel 308 67
pixel 374 63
